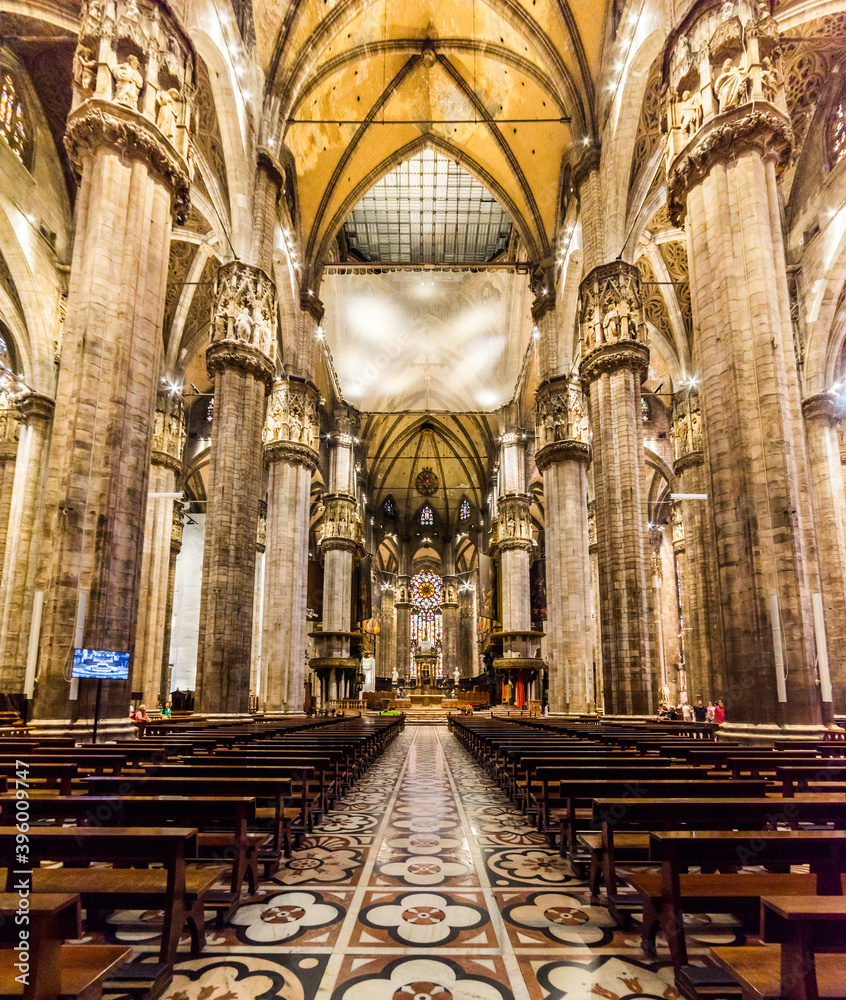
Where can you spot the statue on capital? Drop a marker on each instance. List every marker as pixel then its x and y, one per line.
pixel 128 82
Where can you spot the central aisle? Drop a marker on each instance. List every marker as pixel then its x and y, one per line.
pixel 423 884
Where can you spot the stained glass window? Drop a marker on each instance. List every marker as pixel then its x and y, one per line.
pixel 464 510
pixel 644 409
pixel 210 410
pixel 427 516
pixel 837 138
pixel 12 124
pixel 427 621
pixel 390 508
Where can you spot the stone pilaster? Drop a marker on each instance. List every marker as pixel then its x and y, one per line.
pixel 165 469
pixel 596 693
pixel 240 360
pixel 695 549
pixel 563 454
pixel 467 658
pixel 25 523
pixel 729 136
pixel 128 133
pixel 615 361
pixel 386 644
pixel 291 438
pixel 9 416
pixel 823 414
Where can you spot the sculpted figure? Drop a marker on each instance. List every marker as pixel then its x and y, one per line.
pixel 166 117
pixel 683 436
pixel 610 324
pixel 730 86
pixel 244 326
pixel 695 430
pixel 770 79
pixel 691 113
pixel 85 69
pixel 128 82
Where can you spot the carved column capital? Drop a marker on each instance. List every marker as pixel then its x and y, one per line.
pixel 169 431
pixel 562 428
pixel 724 92
pixel 341 527
pixel 292 428
pixel 611 310
pixel 687 426
pixel 36 405
pixel 610 357
pixel 243 328
pixel 824 406
pixel 177 527
pixel 513 525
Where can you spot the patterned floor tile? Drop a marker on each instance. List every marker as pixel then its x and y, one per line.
pixel 422 978
pixel 424 919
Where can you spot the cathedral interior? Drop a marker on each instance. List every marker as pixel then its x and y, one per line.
pixel 423 356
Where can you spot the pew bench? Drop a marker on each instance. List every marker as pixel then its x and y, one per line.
pixel 176 889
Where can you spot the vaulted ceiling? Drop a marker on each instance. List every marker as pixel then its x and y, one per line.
pixel 421 64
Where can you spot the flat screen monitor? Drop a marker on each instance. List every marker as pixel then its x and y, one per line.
pixel 100 664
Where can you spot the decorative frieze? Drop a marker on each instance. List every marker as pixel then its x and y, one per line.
pixel 292 428
pixel 243 328
pixel 562 430
pixel 724 90
pixel 169 431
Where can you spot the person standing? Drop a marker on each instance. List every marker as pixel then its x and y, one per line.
pixel 699 711
pixel 709 712
pixel 720 713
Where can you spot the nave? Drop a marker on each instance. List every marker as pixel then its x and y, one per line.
pixel 423 883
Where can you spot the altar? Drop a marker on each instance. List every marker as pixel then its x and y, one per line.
pixel 433 700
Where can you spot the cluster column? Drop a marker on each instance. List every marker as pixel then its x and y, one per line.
pixel 728 137
pixel 693 544
pixel 340 543
pixel 563 455
pixel 128 133
pixel 614 364
pixel 823 414
pixel 450 644
pixel 165 469
pixel 291 438
pixel 21 554
pixel 240 360
pixel 9 417
pixel 403 607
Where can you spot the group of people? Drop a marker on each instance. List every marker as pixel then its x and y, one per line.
pixel 140 714
pixel 685 712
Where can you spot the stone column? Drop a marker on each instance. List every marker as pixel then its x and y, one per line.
pixel 449 610
pixel 596 694
pixel 615 361
pixel 240 360
pixel 467 631
pixel 175 549
pixel 291 439
pixel 128 133
pixel 9 416
pixel 165 469
pixel 562 456
pixel 387 640
pixel 823 414
pixel 25 524
pixel 402 606
pixel 258 675
pixel 693 543
pixel 726 147
pixel 340 544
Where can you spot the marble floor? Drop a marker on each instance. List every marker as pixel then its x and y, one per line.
pixel 423 884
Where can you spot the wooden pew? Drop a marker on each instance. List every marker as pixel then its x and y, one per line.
pixel 800 778
pixel 55 969
pixel 739 894
pixel 278 817
pixel 180 892
pixel 222 821
pixel 792 969
pixel 38 777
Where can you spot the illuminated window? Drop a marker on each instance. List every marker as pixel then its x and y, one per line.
pixel 837 135
pixel 427 621
pixel 464 510
pixel 210 410
pixel 12 124
pixel 644 409
pixel 390 508
pixel 427 516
